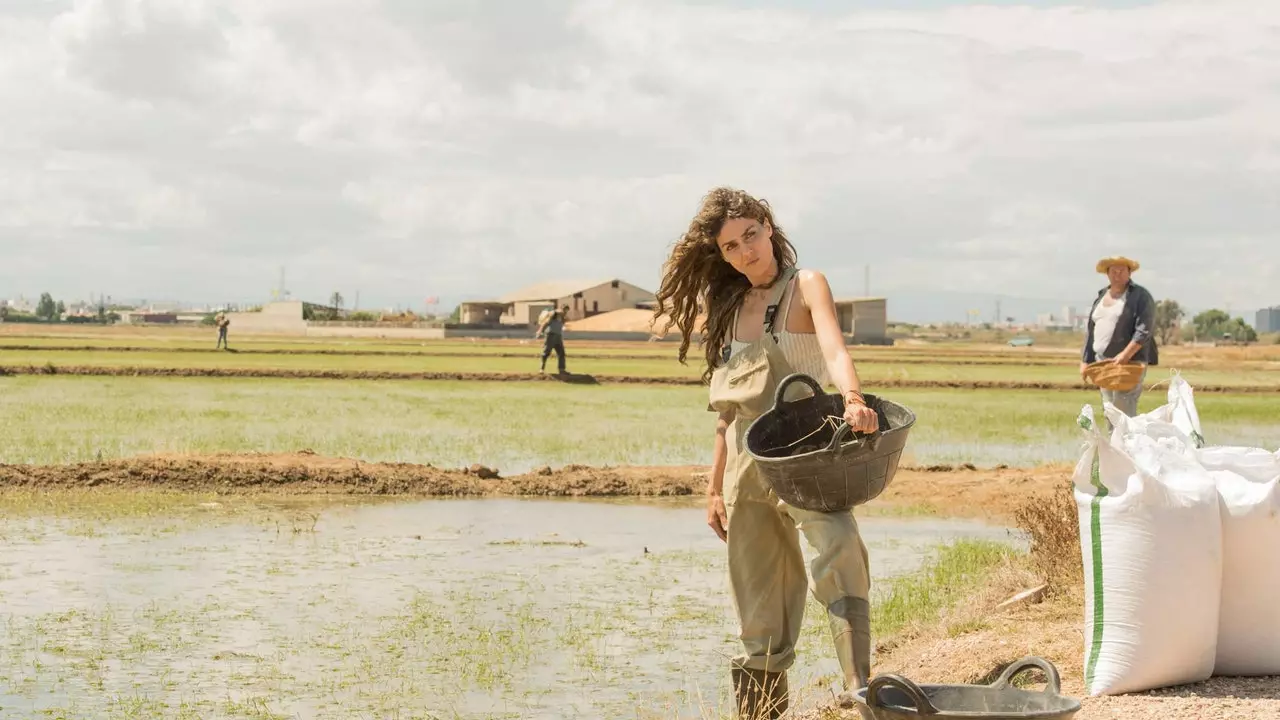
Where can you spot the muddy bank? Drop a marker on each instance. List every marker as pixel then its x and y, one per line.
pixel 943 490
pixel 578 379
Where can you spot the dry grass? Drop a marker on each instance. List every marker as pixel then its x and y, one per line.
pixel 1052 523
pixel 975 639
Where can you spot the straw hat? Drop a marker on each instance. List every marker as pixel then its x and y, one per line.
pixel 1107 262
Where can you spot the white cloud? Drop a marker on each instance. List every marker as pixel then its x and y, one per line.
pixel 453 148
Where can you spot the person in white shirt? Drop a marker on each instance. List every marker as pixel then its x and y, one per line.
pixel 1121 328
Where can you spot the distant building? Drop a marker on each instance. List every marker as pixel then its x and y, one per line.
pixel 864 320
pixel 583 298
pixel 1268 320
pixel 1068 320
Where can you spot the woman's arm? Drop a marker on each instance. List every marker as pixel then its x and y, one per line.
pixel 719 454
pixel 815 292
pixel 717 518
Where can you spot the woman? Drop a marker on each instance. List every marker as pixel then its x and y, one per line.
pixel 1120 329
pixel 765 319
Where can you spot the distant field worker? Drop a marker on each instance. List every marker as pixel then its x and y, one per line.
pixel 766 319
pixel 222 323
pixel 552 326
pixel 1121 328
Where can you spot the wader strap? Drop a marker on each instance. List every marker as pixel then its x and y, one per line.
pixel 779 289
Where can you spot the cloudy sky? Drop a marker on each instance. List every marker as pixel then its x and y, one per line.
pixel 187 149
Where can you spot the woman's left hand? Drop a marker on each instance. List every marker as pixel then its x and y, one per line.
pixel 860 417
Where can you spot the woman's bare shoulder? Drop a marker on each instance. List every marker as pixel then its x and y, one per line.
pixel 813 285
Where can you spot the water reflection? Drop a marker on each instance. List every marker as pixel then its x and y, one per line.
pixel 473 608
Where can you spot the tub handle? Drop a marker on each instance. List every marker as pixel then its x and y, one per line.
pixel 1053 685
pixel 923 706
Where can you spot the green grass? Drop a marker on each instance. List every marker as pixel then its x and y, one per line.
pixel 330 345
pixel 365 362
pixel 872 368
pixel 515 426
pixel 456 347
pixel 920 597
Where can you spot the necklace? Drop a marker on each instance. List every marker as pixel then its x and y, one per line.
pixel 765 286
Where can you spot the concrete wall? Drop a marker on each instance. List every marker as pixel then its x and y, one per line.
pixel 278 318
pixel 526 313
pixel 865 320
pixel 477 313
pixel 391 333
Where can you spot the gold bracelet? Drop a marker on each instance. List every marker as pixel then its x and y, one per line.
pixel 861 400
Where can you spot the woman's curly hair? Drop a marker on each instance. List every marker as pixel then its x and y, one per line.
pixel 696 275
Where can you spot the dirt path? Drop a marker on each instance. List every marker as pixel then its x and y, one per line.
pixel 957 492
pixel 572 379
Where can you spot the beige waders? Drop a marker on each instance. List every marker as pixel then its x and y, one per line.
pixel 766 566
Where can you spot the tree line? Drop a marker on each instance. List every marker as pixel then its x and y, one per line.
pixel 49 310
pixel 1207 325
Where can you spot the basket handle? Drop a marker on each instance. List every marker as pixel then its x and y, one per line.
pixel 788 380
pixel 845 430
pixel 897 682
pixel 1027 663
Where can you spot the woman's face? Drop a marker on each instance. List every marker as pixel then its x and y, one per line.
pixel 747 245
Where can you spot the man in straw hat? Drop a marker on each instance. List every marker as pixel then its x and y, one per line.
pixel 1121 328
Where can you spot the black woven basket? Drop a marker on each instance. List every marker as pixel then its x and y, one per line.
pixel 812 458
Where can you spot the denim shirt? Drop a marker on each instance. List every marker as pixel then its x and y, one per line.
pixel 1137 323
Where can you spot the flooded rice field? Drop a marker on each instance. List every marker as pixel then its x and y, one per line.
pixel 491 608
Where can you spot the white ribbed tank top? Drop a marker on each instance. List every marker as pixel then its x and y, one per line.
pixel 801 350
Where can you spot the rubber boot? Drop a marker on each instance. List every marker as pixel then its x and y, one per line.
pixel 851 631
pixel 759 695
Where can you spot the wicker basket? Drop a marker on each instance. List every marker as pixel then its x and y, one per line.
pixel 1108 375
pixel 813 460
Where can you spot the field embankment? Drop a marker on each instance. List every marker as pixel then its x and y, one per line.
pixel 936 490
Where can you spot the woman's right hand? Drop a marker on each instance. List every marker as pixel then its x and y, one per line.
pixel 716 517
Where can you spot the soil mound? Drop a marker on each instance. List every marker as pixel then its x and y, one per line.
pixel 991 494
pixel 307 473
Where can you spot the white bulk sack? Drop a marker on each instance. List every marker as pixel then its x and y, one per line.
pixel 1249 629
pixel 1248 485
pixel 1183 413
pixel 1151 544
pixel 1178 417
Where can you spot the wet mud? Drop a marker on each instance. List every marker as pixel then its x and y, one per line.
pixel 964 491
pixel 574 378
